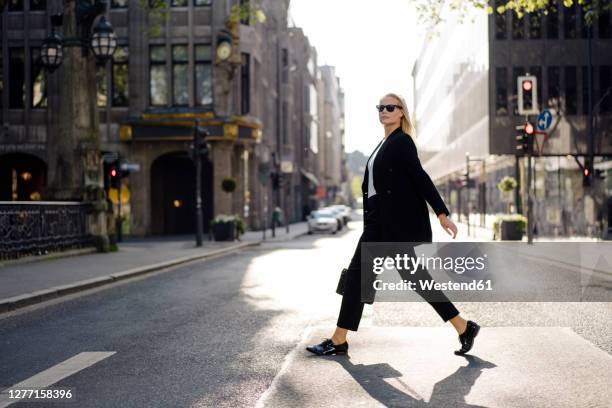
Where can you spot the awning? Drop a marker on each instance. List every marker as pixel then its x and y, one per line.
pixel 310 177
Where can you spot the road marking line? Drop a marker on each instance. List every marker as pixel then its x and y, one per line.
pixel 56 373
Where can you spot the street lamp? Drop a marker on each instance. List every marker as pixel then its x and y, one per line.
pixel 102 41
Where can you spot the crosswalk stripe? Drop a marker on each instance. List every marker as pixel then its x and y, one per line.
pixel 56 373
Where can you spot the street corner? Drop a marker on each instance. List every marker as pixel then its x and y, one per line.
pixel 415 366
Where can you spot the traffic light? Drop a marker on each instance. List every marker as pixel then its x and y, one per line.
pixel 199 144
pixel 586 176
pixel 114 176
pixel 527 95
pixel 524 139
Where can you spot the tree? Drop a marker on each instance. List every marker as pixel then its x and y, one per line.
pixel 429 12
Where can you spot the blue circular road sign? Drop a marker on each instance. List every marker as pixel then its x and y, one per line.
pixel 544 119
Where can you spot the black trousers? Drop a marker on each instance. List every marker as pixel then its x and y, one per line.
pixel 352 306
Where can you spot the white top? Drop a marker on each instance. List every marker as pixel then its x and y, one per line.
pixel 370 164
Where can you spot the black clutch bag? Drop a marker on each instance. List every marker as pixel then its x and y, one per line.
pixel 341 282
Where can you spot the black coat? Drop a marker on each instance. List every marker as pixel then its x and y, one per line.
pixel 404 189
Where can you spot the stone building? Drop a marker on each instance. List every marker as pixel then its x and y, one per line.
pixel 259 111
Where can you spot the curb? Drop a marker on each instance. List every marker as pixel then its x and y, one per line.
pixel 16 302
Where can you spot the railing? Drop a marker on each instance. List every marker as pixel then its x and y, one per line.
pixel 38 227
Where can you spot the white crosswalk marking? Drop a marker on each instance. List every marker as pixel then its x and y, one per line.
pixel 56 373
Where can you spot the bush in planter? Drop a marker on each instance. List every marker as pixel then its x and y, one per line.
pixel 509 227
pixel 506 185
pixel 227 227
pixel 228 184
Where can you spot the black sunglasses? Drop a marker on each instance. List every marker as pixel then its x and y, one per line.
pixel 390 108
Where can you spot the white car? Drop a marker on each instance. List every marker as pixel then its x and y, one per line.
pixel 345 211
pixel 322 220
pixel 338 213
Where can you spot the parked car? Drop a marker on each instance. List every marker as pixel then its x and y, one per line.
pixel 345 211
pixel 322 220
pixel 338 213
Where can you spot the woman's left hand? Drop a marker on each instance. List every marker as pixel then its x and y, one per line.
pixel 448 225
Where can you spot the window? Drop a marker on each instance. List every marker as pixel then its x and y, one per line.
pixel 38 80
pixel 605 86
pixel 15 5
pixel 552 20
pixel 245 84
pixel 585 89
pixel 518 27
pixel 285 122
pixel 158 86
pixel 117 4
pixel 516 72
pixel 554 86
pixel 570 91
pixel 102 94
pixel 203 75
pixel 199 3
pixel 16 78
pixel 605 30
pixel 284 65
pixel 569 21
pixel 500 22
pixel 501 91
pixel 120 76
pixel 178 3
pixel 1 87
pixel 535 25
pixel 180 92
pixel 38 5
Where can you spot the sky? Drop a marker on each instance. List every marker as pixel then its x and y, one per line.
pixel 373 45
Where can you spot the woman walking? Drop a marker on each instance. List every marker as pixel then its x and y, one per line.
pixel 396 191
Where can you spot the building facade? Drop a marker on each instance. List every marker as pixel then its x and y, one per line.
pixel 259 111
pixel 466 103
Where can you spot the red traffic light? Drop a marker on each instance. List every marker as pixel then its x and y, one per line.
pixel 529 128
pixel 586 172
pixel 527 85
pixel 113 172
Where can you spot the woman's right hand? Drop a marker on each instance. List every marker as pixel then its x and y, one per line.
pixel 448 225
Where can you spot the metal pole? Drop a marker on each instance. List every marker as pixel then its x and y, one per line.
pixel 529 203
pixel 118 221
pixel 198 163
pixel 467 188
pixel 590 102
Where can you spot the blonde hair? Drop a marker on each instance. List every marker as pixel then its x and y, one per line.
pixel 406 123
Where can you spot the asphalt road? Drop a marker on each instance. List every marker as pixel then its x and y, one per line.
pixel 215 333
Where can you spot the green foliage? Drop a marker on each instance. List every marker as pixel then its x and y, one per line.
pixel 249 10
pixel 236 219
pixel 507 184
pixel 157 11
pixel 356 187
pixel 429 11
pixel 228 184
pixel 518 218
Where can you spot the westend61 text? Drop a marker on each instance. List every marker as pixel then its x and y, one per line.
pixel 431 285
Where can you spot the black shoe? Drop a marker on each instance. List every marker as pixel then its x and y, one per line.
pixel 467 337
pixel 327 348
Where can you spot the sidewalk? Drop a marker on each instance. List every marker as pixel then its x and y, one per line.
pixel 33 280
